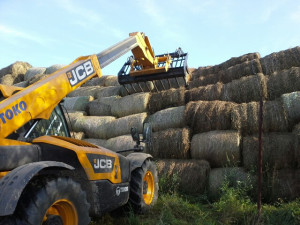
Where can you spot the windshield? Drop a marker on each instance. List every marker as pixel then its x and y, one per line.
pixel 56 125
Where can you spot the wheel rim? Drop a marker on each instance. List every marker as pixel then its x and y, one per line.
pixel 148 189
pixel 65 209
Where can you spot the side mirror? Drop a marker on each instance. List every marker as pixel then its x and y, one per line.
pixel 147 137
pixel 135 135
pixel 147 133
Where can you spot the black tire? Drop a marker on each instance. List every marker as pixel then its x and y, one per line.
pixel 63 194
pixel 137 200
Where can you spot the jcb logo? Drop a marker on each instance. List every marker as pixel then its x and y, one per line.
pixel 80 72
pixel 102 163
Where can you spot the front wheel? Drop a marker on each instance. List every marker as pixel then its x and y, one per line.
pixel 59 201
pixel 143 187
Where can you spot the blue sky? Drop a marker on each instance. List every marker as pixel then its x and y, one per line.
pixel 47 32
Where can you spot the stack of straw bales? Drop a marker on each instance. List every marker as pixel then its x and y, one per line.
pixel 206 133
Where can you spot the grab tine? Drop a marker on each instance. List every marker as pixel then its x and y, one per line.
pixel 177 82
pixel 147 86
pixel 126 89
pixel 169 83
pixel 162 85
pixel 140 87
pixel 133 88
pixel 155 86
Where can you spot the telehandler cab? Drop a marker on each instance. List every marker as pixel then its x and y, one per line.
pixel 47 177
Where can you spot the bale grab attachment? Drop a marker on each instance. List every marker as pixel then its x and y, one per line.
pixel 156 73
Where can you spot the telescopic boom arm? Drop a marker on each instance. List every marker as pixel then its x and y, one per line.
pixel 38 100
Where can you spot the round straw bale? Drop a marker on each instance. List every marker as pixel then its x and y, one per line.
pixel 283 184
pixel 123 142
pixel 101 107
pixel 111 80
pixel 192 174
pixel 77 135
pixel 219 148
pixel 204 71
pixel 166 99
pixel 171 144
pixel 7 80
pixel 232 175
pixel 204 80
pixel 205 93
pixel 123 125
pixel 22 84
pixel 108 91
pixel 131 104
pixel 275 118
pixel 282 82
pixel 104 81
pixel 33 71
pixel 136 88
pixel 278 151
pixel 98 142
pixel 246 89
pixel 278 61
pixel 240 70
pixel 36 78
pixel 54 68
pixel 77 103
pixel 291 104
pixel 245 117
pixel 203 116
pixel 17 68
pixel 239 60
pixel 96 81
pixel 85 91
pixel 72 117
pixel 168 118
pixel 94 126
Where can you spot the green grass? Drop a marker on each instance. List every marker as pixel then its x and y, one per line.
pixel 234 206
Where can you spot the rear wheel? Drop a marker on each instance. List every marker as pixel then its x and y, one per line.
pixel 59 201
pixel 144 187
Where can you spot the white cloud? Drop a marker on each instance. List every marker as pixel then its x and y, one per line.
pixel 157 15
pixel 87 18
pixel 295 16
pixel 79 10
pixel 269 11
pixel 11 32
pixel 153 10
pixel 194 6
